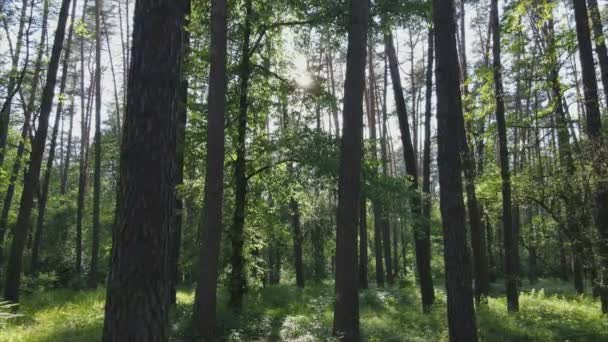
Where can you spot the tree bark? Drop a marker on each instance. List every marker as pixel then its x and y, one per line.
pixel 206 292
pixel 25 130
pixel 346 310
pixel 137 302
pixel 237 283
pixel 422 238
pixel 44 191
pixel 426 159
pixel 600 43
pixel 95 231
pixel 510 236
pixel 5 114
pixel 20 232
pixel 380 221
pixel 594 131
pixel 461 312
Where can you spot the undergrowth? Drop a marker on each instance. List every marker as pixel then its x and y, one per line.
pixel 549 312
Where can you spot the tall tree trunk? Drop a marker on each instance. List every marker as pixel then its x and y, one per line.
pixel 594 130
pixel 65 173
pixel 84 143
pixel 346 310
pixel 297 242
pixel 478 242
pixel 569 194
pixel 206 292
pixel 137 303
pixel 422 236
pixel 25 131
pixel 20 232
pixel 510 238
pixel 600 43
pixel 426 157
pixel 5 114
pixel 176 233
pixel 380 221
pixel 44 191
pixel 237 282
pixel 95 231
pixel 461 311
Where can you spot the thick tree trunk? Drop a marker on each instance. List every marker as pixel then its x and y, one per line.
pixel 137 304
pixel 461 311
pixel 510 236
pixel 346 310
pixel 21 229
pixel 422 238
pixel 237 282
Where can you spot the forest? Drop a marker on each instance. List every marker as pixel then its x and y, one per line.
pixel 303 170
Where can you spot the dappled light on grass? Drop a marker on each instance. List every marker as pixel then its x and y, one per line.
pixel 549 312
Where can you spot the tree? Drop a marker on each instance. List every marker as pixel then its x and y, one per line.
pixel 94 269
pixel 428 295
pixel 25 131
pixel 510 236
pixel 422 238
pixel 346 310
pixel 20 231
pixel 461 312
pixel 594 131
pixel 14 81
pixel 206 291
pixel 137 301
pixel 42 201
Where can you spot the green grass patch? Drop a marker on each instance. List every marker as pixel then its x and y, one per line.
pixel 550 311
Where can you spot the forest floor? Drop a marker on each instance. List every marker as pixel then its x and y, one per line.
pixel 549 312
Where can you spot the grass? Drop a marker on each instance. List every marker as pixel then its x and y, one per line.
pixel 549 312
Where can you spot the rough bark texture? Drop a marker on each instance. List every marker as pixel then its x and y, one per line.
pixel 461 312
pixel 422 236
pixel 137 303
pixel 20 231
pixel 346 310
pixel 510 237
